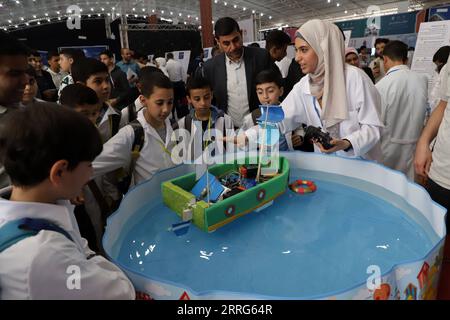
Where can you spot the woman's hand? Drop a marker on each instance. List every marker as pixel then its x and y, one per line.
pixel 338 146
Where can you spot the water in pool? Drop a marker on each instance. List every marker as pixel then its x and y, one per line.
pixel 302 246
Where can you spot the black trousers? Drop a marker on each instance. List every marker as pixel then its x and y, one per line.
pixel 179 102
pixel 440 195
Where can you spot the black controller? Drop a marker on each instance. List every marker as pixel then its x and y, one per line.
pixel 316 134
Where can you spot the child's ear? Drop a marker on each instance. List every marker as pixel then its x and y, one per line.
pixel 57 171
pixel 281 91
pixel 189 99
pixel 142 99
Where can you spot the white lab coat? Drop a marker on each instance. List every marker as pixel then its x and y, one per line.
pixel 39 267
pixel 404 103
pixel 362 128
pixel 153 155
pixel 138 106
pixel 104 127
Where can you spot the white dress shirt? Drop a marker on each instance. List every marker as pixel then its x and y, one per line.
pixel 238 106
pixel 175 70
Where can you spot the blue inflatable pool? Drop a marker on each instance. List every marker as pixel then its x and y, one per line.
pixel 365 234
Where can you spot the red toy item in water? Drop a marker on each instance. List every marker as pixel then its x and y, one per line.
pixel 303 186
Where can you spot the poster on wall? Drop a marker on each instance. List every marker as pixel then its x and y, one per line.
pixel 439 14
pixel 184 58
pixel 432 36
pixel 348 35
pixel 89 51
pixel 248 32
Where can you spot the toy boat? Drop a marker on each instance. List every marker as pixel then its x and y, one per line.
pixel 178 197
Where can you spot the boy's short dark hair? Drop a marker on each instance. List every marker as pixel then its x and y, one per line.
pixel 381 40
pixel 277 39
pixel 10 46
pixel 170 55
pixel 34 139
pixel 197 82
pixel 107 53
pixel 153 80
pixel 76 95
pixel 268 76
pixel 75 54
pixel 35 53
pixel 225 26
pixel 396 51
pixel 52 54
pixel 147 71
pixel 84 68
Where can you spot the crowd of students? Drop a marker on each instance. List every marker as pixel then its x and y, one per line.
pixel 91 146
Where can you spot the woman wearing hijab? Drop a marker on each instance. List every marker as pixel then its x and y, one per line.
pixel 352 58
pixel 333 95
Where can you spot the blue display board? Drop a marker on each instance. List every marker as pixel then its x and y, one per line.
pixel 439 14
pixel 89 51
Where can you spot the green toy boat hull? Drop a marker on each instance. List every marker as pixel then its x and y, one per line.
pixel 216 215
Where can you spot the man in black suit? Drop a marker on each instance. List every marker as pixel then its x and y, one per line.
pixel 232 73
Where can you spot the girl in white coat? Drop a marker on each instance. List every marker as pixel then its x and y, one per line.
pixel 339 98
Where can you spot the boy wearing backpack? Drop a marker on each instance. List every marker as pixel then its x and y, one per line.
pixel 143 147
pixel 203 117
pixel 129 113
pixel 94 74
pixel 47 152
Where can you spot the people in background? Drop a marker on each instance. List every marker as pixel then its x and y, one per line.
pixel 352 58
pixel 364 56
pixel 377 64
pixel 196 63
pixel 94 74
pixel 128 66
pixel 119 82
pixel 44 80
pixel 31 91
pixel 54 68
pixel 161 65
pixel 176 75
pixel 232 73
pixel 67 58
pixel 277 42
pixel 403 107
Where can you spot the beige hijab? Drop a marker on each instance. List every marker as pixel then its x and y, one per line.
pixel 328 80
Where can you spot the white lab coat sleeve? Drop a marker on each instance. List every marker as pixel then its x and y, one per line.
pixel 367 102
pixel 294 109
pixel 116 152
pixel 61 271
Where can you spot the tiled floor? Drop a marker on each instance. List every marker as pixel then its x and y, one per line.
pixel 444 285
